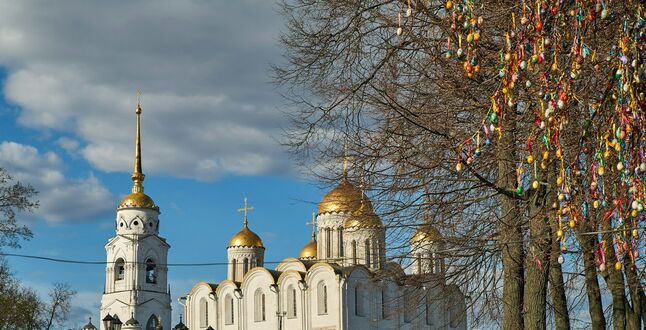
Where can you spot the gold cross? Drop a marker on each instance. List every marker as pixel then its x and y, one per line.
pixel 245 209
pixel 313 223
pixel 138 96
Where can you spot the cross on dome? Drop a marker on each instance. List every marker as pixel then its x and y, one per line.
pixel 246 210
pixel 313 223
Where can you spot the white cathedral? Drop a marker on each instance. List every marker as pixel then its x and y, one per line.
pixel 342 280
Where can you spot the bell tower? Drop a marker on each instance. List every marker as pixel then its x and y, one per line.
pixel 136 274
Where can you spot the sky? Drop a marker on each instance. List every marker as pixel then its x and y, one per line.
pixel 212 127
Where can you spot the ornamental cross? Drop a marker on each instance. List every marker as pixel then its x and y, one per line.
pixel 313 223
pixel 246 210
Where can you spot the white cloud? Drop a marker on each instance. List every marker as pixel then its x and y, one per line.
pixel 209 109
pixel 61 199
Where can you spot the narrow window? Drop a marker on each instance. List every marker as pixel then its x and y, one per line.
pixel 291 302
pixel 359 301
pixel 409 305
pixel 259 306
pixel 151 271
pixel 204 312
pixel 419 264
pixel 328 243
pixel 340 242
pixel 234 264
pixel 152 322
pixel 228 310
pixel 245 266
pixel 367 253
pixel 383 304
pixel 321 301
pixel 119 270
pixel 354 252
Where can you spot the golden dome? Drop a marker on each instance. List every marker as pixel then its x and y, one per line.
pixel 247 238
pixel 138 200
pixel 426 232
pixel 364 217
pixel 343 198
pixel 309 250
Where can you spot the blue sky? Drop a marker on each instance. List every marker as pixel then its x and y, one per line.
pixel 211 132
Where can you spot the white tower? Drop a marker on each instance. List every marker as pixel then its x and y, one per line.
pixel 426 250
pixel 245 250
pixel 136 273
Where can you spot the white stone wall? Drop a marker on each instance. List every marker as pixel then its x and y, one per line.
pixel 402 307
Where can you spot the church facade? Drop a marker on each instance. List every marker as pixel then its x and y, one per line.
pixel 340 280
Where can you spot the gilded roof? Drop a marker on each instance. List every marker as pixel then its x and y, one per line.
pixel 364 217
pixel 426 232
pixel 138 200
pixel 246 237
pixel 343 198
pixel 309 250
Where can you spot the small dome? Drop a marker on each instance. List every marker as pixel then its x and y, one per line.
pixel 364 217
pixel 132 321
pixel 246 237
pixel 343 198
pixel 89 325
pixel 137 200
pixel 426 232
pixel 308 252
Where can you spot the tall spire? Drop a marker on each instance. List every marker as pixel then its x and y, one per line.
pixel 345 160
pixel 137 174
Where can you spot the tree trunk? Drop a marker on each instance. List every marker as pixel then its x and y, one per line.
pixel 510 228
pixel 615 281
pixel 589 245
pixel 636 292
pixel 557 287
pixel 537 261
pixel 51 316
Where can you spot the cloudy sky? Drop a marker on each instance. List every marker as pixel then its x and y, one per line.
pixel 211 121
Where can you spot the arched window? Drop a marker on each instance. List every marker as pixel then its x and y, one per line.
pixel 119 270
pixel 245 266
pixel 377 255
pixel 419 264
pixel 359 301
pixel 204 313
pixel 152 323
pixel 354 252
pixel 321 298
pixel 367 253
pixel 291 302
pixel 387 302
pixel 151 271
pixel 409 305
pixel 234 264
pixel 259 306
pixel 228 310
pixel 340 242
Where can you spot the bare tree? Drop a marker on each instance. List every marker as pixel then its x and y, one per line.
pixel 59 306
pixel 14 197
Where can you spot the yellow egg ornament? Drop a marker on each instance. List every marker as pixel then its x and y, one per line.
pixel 572 223
pixel 595 204
pixel 530 159
pixel 535 184
pixel 559 233
pixel 618 266
pixel 449 5
pixel 601 170
pixel 635 233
